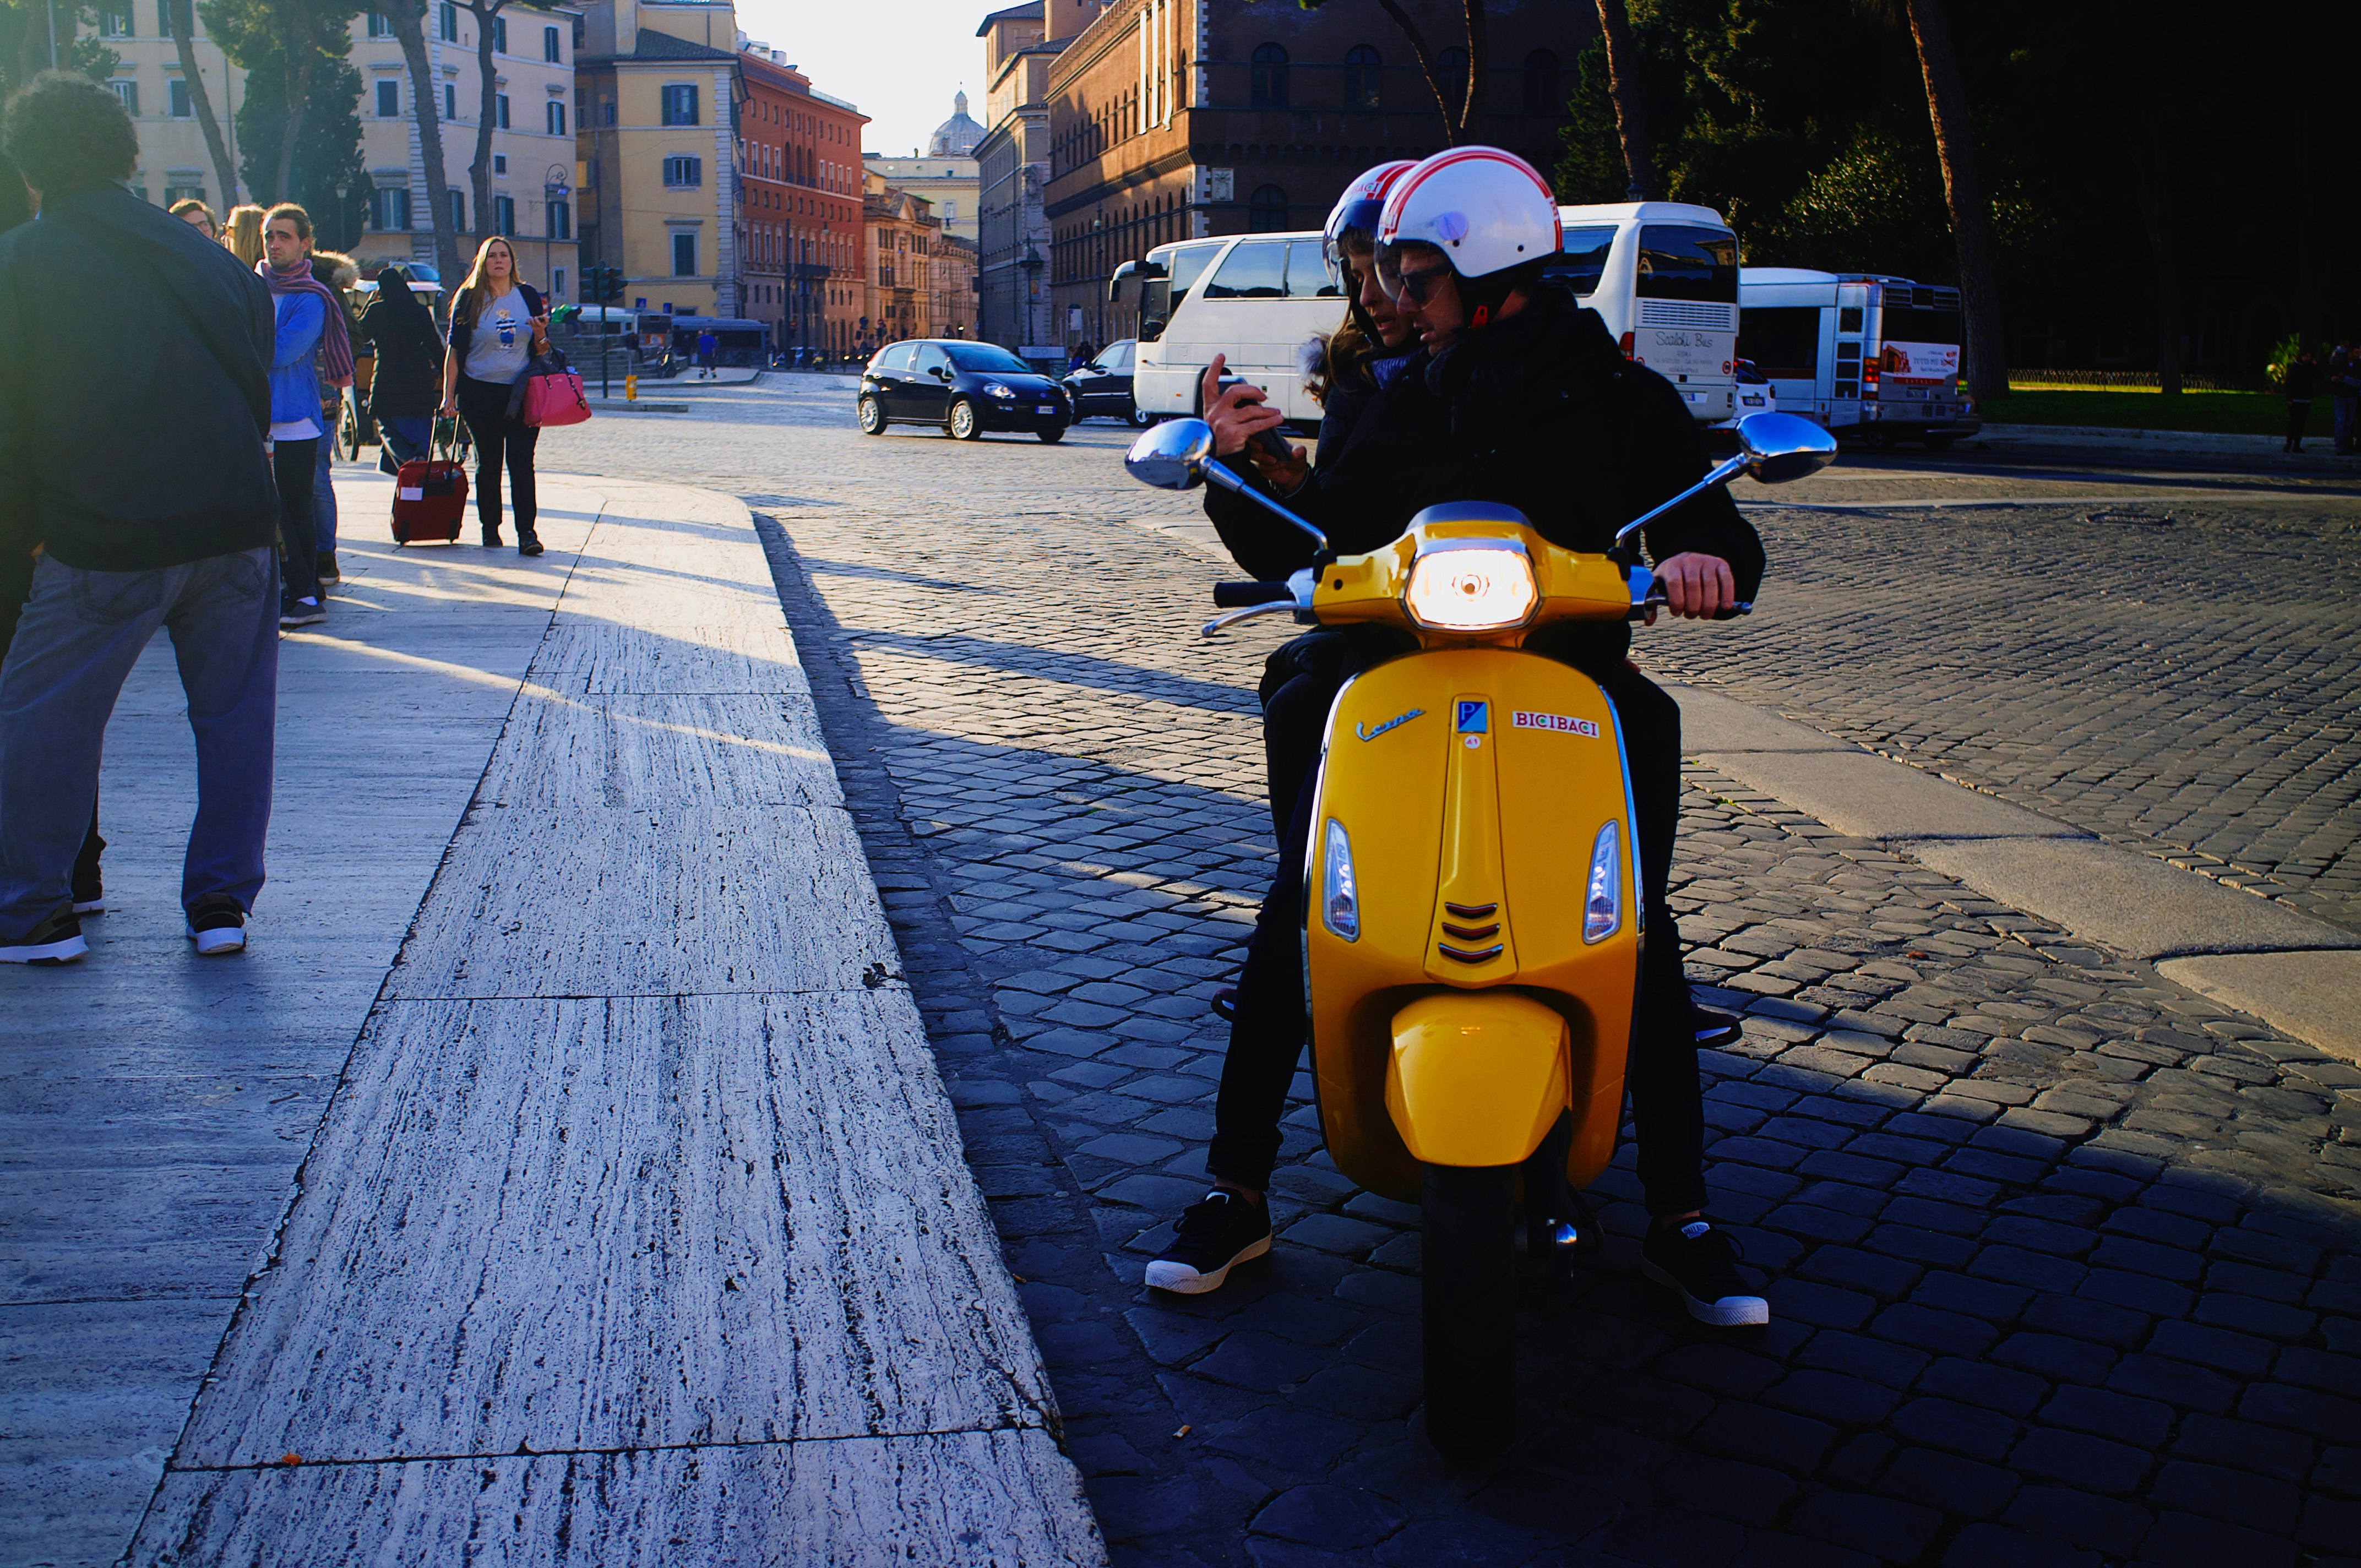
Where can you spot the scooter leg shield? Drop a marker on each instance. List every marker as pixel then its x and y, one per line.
pixel 1477 1078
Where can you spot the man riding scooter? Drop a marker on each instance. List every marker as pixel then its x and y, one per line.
pixel 1520 397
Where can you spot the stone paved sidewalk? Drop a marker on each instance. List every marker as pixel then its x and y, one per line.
pixel 2061 1255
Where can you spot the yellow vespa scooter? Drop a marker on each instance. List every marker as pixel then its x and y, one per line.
pixel 1473 928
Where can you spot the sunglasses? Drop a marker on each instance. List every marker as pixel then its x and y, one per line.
pixel 1414 288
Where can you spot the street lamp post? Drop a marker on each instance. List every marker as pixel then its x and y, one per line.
pixel 1032 265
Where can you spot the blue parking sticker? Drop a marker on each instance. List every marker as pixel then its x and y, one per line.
pixel 1475 715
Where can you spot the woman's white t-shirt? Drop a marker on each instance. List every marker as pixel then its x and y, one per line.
pixel 502 341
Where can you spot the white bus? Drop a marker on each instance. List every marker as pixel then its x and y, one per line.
pixel 1663 276
pixel 1871 357
pixel 1255 298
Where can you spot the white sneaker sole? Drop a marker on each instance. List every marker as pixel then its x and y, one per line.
pixel 1730 1312
pixel 64 951
pixel 1183 1281
pixel 219 940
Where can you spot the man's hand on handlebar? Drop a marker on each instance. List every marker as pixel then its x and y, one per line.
pixel 1240 413
pixel 1696 585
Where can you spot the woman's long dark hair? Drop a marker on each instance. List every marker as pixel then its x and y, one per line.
pixel 394 295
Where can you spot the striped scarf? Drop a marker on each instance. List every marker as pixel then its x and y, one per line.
pixel 335 342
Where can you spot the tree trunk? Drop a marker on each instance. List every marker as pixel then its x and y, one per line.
pixel 181 13
pixel 1623 88
pixel 1947 106
pixel 1479 56
pixel 1425 57
pixel 2152 186
pixel 479 172
pixel 409 18
pixel 300 58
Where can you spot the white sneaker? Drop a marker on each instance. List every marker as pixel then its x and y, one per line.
pixel 218 926
pixel 56 940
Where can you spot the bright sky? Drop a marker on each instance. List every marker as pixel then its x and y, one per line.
pixel 899 61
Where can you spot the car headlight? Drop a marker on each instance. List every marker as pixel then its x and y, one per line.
pixel 995 390
pixel 1602 901
pixel 1479 589
pixel 1340 900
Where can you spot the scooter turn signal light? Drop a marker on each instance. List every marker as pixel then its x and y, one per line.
pixel 1602 902
pixel 1340 904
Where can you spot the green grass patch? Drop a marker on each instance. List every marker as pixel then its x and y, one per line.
pixel 2210 413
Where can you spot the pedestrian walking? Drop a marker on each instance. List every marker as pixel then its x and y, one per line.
pixel 2301 384
pixel 142 477
pixel 2345 387
pixel 498 323
pixel 241 234
pixel 310 322
pixel 335 272
pixel 706 345
pixel 198 216
pixel 409 360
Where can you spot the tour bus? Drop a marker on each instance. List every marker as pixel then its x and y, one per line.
pixel 1871 357
pixel 1256 299
pixel 1664 276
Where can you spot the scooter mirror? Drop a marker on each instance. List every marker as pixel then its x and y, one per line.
pixel 1780 447
pixel 1171 456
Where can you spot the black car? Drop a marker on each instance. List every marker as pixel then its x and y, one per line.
pixel 1102 390
pixel 959 386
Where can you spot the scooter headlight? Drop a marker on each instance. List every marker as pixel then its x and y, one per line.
pixel 1602 902
pixel 1340 899
pixel 1487 587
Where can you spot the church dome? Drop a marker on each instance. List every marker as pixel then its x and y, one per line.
pixel 957 137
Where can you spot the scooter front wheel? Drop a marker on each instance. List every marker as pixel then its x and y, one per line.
pixel 1468 1305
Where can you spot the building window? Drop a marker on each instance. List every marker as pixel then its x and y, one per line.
pixel 683 256
pixel 381 26
pixel 504 214
pixel 184 194
pixel 458 210
pixel 500 35
pixel 549 49
pixel 557 117
pixel 500 110
pixel 450 101
pixel 1267 210
pixel 1541 94
pixel 1451 68
pixel 447 23
pixel 390 208
pixel 682 173
pixel 1267 77
pixel 115 24
pixel 129 93
pixel 500 163
pixel 177 91
pixel 680 105
pixel 561 220
pixel 557 283
pixel 389 99
pixel 1361 68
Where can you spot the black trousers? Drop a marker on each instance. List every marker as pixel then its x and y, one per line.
pixel 500 442
pixel 295 465
pixel 2299 415
pixel 1267 1041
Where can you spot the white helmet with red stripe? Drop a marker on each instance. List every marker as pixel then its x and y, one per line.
pixel 1487 211
pixel 1358 209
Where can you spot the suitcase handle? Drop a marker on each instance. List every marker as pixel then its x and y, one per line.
pixel 453 447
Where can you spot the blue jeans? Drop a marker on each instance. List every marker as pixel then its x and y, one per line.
pixel 2348 415
pixel 406 436
pixel 324 502
pixel 80 635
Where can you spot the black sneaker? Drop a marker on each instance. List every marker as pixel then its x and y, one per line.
pixel 1716 1028
pixel 217 925
pixel 528 543
pixel 1701 1264
pixel 56 940
pixel 89 894
pixel 301 612
pixel 1216 1234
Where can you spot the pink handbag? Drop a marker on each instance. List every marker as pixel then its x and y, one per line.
pixel 552 392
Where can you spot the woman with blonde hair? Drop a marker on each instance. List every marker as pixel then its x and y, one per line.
pixel 241 234
pixel 498 323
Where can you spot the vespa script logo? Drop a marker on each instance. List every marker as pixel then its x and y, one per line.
pixel 1395 722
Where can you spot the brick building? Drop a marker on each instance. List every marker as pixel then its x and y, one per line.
pixel 1012 176
pixel 1175 119
pixel 799 152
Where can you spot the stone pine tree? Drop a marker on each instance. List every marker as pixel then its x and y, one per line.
pixel 180 15
pixel 479 171
pixel 408 19
pixel 26 44
pixel 1972 225
pixel 1623 91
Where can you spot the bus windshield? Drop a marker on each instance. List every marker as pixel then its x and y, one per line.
pixel 1159 297
pixel 1679 262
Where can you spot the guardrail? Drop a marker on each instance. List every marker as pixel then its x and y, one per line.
pixel 2034 380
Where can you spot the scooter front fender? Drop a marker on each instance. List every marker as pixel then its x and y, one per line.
pixel 1477 1077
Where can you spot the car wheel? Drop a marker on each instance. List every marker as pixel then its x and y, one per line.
pixel 964 425
pixel 1054 434
pixel 873 417
pixel 1140 417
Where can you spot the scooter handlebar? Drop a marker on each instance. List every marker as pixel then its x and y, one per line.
pixel 1237 595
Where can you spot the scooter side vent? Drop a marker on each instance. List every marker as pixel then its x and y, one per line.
pixel 1472 911
pixel 1485 957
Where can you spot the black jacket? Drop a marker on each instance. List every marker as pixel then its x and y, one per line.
pixel 1541 412
pixel 461 334
pixel 1348 399
pixel 2303 383
pixel 408 379
pixel 135 395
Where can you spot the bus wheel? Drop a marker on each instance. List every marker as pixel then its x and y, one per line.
pixel 1140 417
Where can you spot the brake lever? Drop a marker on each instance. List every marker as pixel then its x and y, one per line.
pixel 1221 623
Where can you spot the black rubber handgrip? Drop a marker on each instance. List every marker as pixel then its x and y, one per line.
pixel 1237 595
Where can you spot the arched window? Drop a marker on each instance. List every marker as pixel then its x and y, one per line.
pixel 1451 66
pixel 1267 210
pixel 1541 94
pixel 1361 64
pixel 1269 77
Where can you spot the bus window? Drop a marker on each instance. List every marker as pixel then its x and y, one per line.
pixel 1783 341
pixel 1255 269
pixel 1307 272
pixel 1848 318
pixel 1681 262
pixel 1903 324
pixel 1582 260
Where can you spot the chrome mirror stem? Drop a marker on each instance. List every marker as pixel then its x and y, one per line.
pixel 1728 470
pixel 1221 476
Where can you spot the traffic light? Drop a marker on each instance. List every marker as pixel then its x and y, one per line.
pixel 605 284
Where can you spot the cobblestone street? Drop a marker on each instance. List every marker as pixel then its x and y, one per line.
pixel 2062 1257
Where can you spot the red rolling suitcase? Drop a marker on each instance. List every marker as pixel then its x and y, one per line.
pixel 430 494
